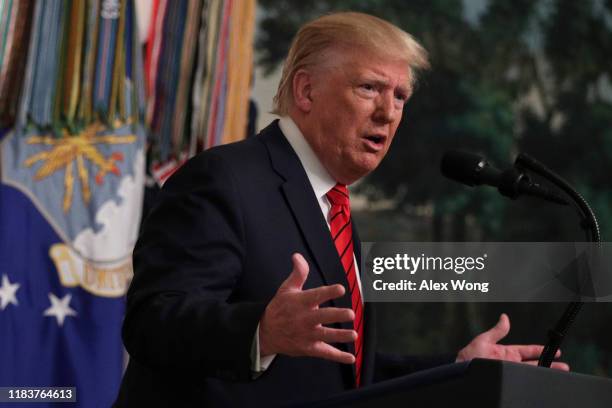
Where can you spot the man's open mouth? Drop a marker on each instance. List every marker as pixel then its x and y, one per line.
pixel 374 143
pixel 375 139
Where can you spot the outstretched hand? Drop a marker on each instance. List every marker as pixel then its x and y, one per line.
pixel 293 324
pixel 485 346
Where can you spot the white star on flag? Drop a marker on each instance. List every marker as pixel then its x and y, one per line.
pixel 8 292
pixel 60 308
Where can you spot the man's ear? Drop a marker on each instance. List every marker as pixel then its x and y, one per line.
pixel 302 90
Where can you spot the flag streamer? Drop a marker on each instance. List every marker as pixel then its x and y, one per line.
pixel 198 69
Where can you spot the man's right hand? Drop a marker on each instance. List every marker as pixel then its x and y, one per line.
pixel 294 324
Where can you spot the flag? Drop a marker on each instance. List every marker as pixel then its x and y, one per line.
pixel 71 187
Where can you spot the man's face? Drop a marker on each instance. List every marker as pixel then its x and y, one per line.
pixel 356 106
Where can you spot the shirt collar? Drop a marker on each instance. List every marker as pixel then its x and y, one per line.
pixel 318 176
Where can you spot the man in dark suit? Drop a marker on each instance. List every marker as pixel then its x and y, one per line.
pixel 246 291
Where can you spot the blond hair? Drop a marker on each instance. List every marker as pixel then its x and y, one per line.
pixel 346 30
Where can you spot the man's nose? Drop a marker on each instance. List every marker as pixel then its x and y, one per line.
pixel 385 108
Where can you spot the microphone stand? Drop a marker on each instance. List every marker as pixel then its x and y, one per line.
pixel 589 224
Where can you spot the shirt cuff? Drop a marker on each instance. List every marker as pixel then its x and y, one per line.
pixel 259 364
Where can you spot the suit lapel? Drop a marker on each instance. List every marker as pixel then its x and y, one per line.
pixel 306 210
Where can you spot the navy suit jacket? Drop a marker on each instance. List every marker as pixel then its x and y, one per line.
pixel 211 255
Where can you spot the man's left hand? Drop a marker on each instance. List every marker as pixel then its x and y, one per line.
pixel 485 346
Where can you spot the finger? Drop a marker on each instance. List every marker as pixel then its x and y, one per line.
pixel 322 294
pixel 528 352
pixel 328 315
pixel 298 275
pixel 327 352
pixel 329 335
pixel 499 331
pixel 557 365
pixel 531 351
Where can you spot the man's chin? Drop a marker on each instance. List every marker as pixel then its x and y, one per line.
pixel 357 174
pixel 369 163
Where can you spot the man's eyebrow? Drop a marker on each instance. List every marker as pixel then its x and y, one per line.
pixel 381 81
pixel 375 79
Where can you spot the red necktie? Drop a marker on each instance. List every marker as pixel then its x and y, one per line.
pixel 342 234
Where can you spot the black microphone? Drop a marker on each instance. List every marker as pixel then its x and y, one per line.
pixel 474 170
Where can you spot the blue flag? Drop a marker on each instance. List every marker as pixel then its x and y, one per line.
pixel 69 213
pixel 70 205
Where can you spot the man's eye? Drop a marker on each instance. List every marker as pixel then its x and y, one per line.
pixel 401 97
pixel 368 87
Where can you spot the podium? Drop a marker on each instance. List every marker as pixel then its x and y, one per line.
pixel 481 383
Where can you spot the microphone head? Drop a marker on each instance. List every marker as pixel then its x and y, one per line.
pixel 464 167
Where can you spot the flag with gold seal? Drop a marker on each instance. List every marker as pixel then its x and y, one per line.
pixel 71 186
